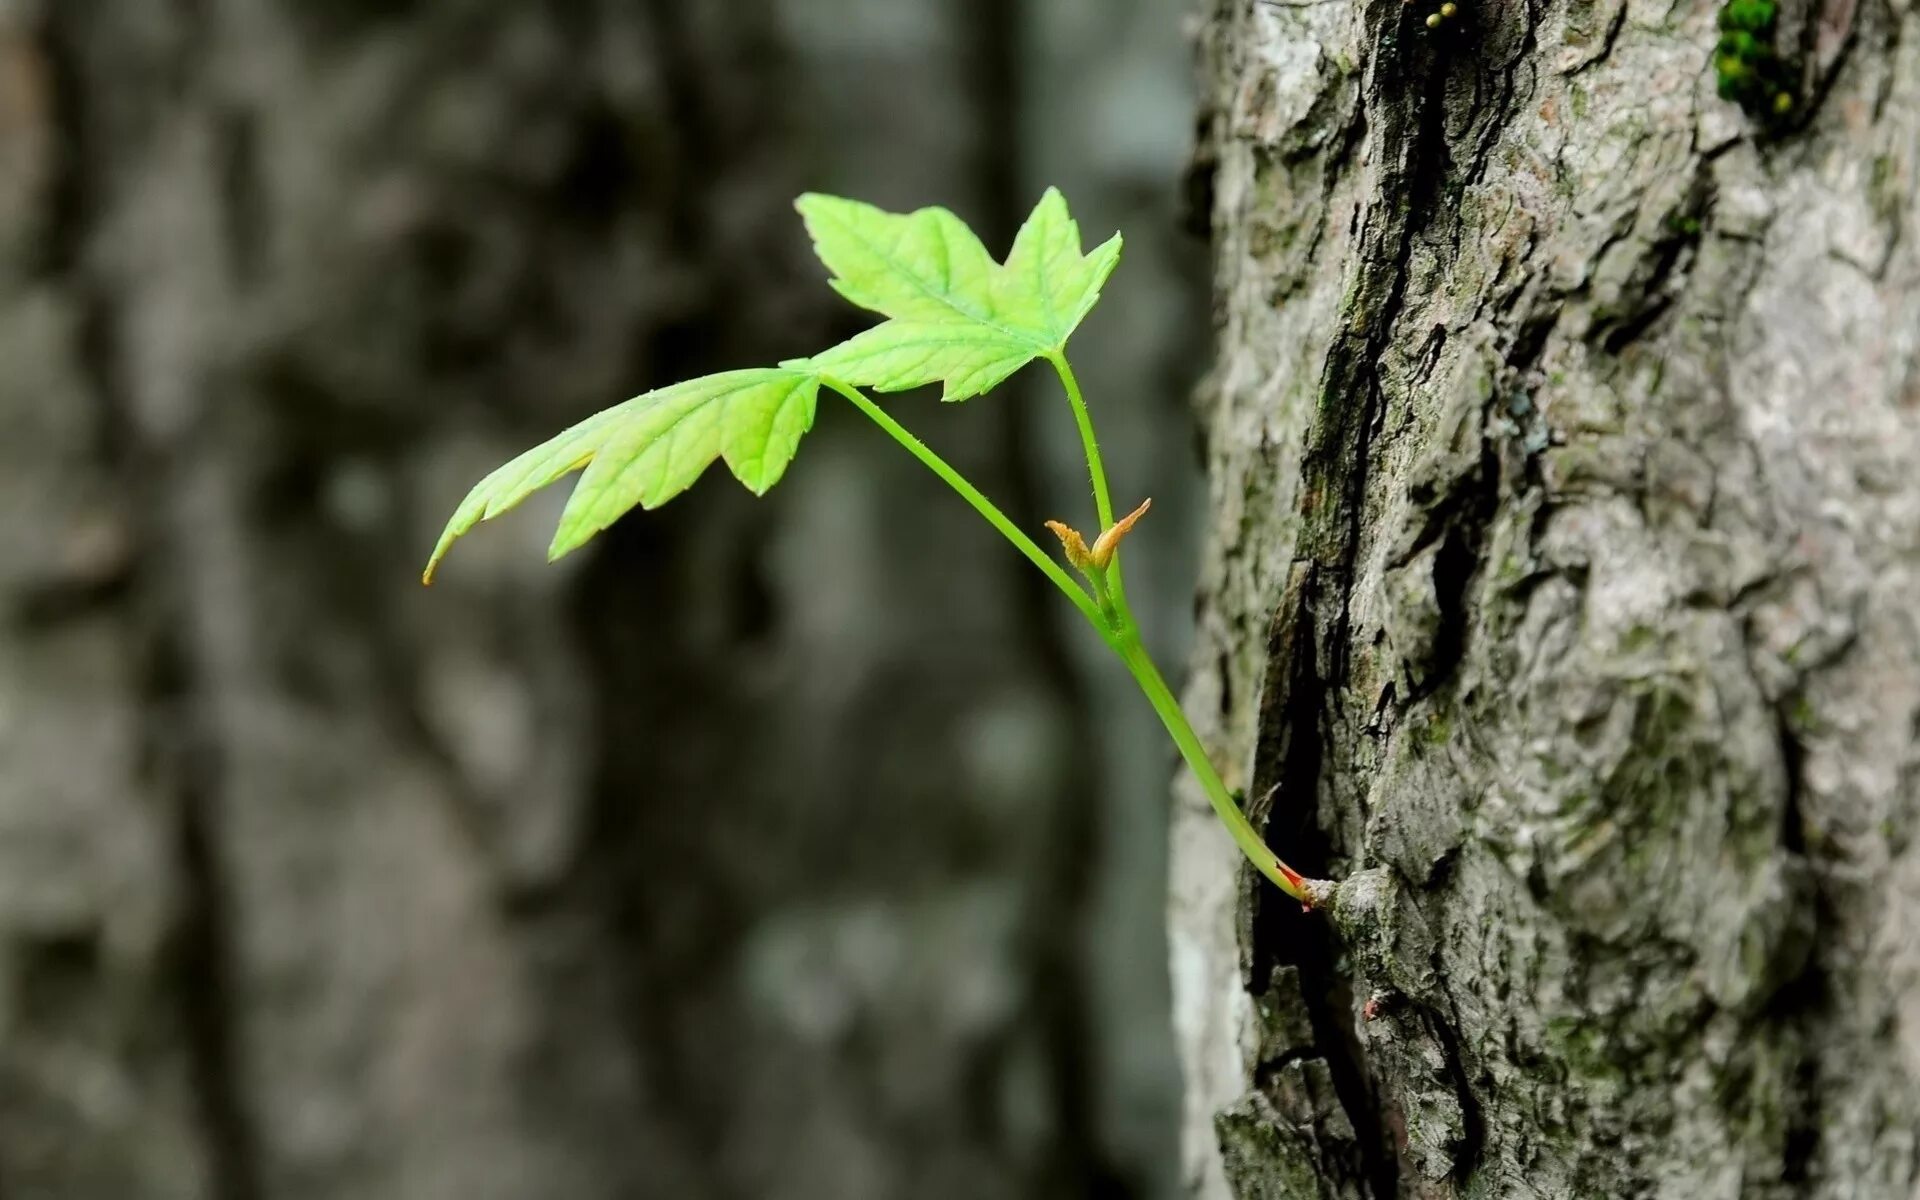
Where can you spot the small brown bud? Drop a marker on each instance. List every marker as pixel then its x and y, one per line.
pixel 1073 544
pixel 1108 542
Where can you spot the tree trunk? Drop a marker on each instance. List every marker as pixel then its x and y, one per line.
pixel 1561 602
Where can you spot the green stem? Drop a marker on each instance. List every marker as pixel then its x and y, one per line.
pixel 1096 470
pixel 1134 654
pixel 1132 651
pixel 1113 622
pixel 1102 499
pixel 985 507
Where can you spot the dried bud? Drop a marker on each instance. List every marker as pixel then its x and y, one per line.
pixel 1108 542
pixel 1073 544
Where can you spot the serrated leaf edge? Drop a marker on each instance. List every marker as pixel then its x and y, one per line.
pixel 575 448
pixel 810 200
pixel 1035 343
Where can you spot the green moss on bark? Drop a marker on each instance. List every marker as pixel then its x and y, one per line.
pixel 1751 72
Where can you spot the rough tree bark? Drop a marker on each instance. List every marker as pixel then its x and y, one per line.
pixel 1562 600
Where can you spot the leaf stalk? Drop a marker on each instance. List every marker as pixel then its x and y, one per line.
pixel 1107 611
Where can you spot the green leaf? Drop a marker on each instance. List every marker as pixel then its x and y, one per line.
pixel 1047 281
pixel 925 264
pixel 958 317
pixel 969 359
pixel 650 449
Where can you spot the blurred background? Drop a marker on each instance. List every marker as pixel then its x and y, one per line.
pixel 799 848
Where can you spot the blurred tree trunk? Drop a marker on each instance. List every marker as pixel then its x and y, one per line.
pixel 744 856
pixel 1562 600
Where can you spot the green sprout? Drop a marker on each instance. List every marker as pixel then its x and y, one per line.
pixel 954 317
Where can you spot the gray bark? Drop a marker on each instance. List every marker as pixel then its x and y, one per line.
pixel 1561 601
pixel 751 854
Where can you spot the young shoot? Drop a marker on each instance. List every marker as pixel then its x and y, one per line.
pixel 955 317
